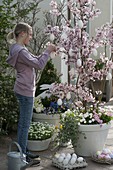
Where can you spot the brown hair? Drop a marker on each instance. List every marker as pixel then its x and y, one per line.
pixel 20 27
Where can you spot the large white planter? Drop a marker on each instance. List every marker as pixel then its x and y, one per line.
pixel 36 145
pixel 96 136
pixel 51 119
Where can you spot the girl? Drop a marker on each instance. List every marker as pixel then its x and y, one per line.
pixel 25 64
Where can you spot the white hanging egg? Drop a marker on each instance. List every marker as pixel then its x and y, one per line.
pixel 52 55
pixel 80 159
pixel 72 71
pixel 109 76
pixel 59 102
pixel 64 36
pixel 94 51
pixel 52 37
pixel 60 159
pixel 79 62
pixel 80 24
pixel 71 53
pixel 72 161
pixel 65 161
pixel 68 96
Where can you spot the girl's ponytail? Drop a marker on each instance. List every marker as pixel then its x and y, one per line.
pixel 11 38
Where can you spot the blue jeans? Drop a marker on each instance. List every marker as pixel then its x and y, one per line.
pixel 25 117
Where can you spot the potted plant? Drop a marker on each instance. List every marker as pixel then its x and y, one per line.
pixel 52 112
pixel 87 131
pixel 39 136
pixel 80 51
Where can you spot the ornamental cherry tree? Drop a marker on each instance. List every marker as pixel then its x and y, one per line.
pixel 80 50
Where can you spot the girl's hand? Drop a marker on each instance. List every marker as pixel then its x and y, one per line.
pixel 51 48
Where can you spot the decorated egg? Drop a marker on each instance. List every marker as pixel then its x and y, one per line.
pixel 105 151
pixel 98 153
pixel 60 159
pixel 107 157
pixel 80 159
pixel 73 160
pixel 101 156
pixel 111 155
pixel 65 161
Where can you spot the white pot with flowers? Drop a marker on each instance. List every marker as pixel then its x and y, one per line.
pixel 39 136
pixel 86 130
pixel 48 109
pixel 80 50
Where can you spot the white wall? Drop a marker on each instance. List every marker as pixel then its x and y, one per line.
pixel 106 16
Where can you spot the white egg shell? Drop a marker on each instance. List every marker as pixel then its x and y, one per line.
pixel 80 24
pixel 80 159
pixel 68 156
pixel 60 159
pixel 74 155
pixel 63 154
pixel 57 156
pixel 65 161
pixel 73 160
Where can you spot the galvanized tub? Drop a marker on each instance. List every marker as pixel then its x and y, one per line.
pixel 16 159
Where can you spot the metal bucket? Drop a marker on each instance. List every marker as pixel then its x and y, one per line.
pixel 16 159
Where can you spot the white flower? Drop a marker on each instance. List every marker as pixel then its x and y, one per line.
pixel 86 114
pixel 90 121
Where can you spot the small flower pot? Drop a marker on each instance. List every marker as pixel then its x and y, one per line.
pixel 38 145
